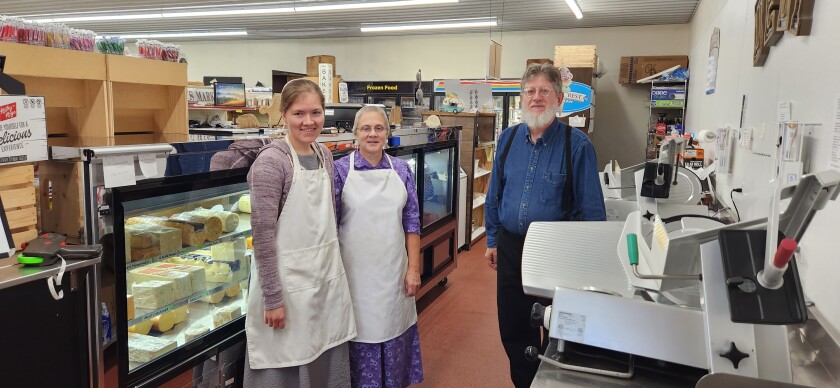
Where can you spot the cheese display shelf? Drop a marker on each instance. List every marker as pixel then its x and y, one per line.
pixel 182 266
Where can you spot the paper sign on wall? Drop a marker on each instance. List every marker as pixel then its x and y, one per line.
pixel 148 165
pixel 325 72
pixel 835 140
pixel 23 129
pixel 712 65
pixel 783 112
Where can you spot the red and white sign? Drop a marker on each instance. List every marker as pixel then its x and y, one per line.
pixel 8 111
pixel 23 129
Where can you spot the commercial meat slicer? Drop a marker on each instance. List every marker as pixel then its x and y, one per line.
pixel 709 298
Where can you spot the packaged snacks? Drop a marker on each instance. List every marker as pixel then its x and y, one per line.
pixel 110 45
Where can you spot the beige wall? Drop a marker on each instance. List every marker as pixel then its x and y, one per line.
pixel 621 112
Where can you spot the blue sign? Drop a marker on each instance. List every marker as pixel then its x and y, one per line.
pixel 577 98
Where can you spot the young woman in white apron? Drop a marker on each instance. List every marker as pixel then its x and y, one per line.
pixel 299 311
pixel 379 227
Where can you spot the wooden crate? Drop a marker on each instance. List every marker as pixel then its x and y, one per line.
pixel 62 198
pixel 17 190
pixel 312 64
pixel 575 56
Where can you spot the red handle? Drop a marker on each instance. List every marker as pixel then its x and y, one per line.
pixel 784 253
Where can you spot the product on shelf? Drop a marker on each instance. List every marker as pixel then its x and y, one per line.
pixel 198 279
pixel 144 236
pixel 245 204
pixel 152 294
pixel 230 220
pixel 214 298
pixel 236 264
pixel 232 292
pixel 181 280
pixel 164 322
pixel 9 28
pixel 181 314
pixel 214 272
pixel 144 253
pixel 195 331
pixel 110 45
pixel 130 306
pixel 192 233
pixel 141 328
pixel 212 224
pixel 144 348
pixel 225 314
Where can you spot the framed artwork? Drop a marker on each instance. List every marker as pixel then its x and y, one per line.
pixel 232 95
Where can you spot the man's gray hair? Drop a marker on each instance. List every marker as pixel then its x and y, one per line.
pixel 370 108
pixel 551 73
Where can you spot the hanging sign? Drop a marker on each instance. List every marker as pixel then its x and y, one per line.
pixel 325 81
pixel 23 129
pixel 577 99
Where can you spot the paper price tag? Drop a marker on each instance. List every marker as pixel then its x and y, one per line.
pixel 119 171
pixel 148 165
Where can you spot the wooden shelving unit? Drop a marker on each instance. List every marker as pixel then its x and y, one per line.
pixel 19 202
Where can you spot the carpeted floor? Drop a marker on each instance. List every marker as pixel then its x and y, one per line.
pixel 459 330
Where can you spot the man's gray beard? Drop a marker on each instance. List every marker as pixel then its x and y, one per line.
pixel 536 121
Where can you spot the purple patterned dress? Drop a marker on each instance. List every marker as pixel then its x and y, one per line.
pixel 395 363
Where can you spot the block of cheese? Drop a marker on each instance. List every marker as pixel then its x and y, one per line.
pixel 181 280
pixel 233 291
pixel 212 224
pixel 197 274
pixel 214 298
pixel 141 328
pixel 129 306
pixel 164 322
pixel 192 233
pixel 146 236
pixel 144 253
pixel 230 220
pixel 144 348
pixel 225 314
pixel 195 331
pixel 181 314
pixel 153 294
pixel 233 254
pixel 244 204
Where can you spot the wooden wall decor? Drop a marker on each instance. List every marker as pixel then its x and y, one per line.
pixel 801 17
pixel 760 51
pixel 785 8
pixel 771 19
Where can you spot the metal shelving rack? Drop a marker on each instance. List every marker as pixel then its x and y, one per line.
pixel 653 113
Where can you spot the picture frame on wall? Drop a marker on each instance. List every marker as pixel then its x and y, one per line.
pixel 229 95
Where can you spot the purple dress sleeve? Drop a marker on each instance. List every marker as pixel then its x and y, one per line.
pixel 342 167
pixel 411 211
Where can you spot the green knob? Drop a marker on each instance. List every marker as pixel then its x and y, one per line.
pixel 30 260
pixel 633 249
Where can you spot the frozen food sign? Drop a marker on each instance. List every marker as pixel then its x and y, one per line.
pixel 23 129
pixel 577 98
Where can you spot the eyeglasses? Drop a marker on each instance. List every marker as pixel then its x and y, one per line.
pixel 366 129
pixel 530 92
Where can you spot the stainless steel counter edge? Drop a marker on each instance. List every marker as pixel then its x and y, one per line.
pixel 13 274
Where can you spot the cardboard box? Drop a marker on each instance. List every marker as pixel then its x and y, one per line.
pixel 575 56
pixel 312 64
pixel 636 68
pixel 23 129
pixel 667 93
pixel 667 103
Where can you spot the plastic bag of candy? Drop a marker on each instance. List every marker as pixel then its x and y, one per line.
pixel 171 52
pixel 9 27
pixel 110 45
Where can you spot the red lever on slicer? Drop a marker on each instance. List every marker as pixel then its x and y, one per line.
pixel 784 253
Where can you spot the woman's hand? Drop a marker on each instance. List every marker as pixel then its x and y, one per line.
pixel 276 318
pixel 412 282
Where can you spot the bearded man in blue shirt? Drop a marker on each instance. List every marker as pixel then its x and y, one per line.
pixel 547 171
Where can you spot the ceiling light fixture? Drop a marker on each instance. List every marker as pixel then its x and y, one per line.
pixel 384 4
pixel 181 34
pixel 225 12
pixel 431 25
pixel 575 8
pixel 97 18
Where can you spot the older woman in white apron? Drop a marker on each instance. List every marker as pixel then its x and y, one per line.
pixel 379 226
pixel 299 311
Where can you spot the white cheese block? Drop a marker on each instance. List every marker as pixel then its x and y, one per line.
pixel 181 314
pixel 153 294
pixel 245 204
pixel 195 331
pixel 129 306
pixel 181 280
pixel 225 315
pixel 164 322
pixel 141 328
pixel 198 278
pixel 219 273
pixel 214 298
pixel 144 348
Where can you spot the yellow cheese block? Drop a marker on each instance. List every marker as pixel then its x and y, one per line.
pixel 215 298
pixel 130 306
pixel 141 328
pixel 232 292
pixel 245 204
pixel 181 314
pixel 164 322
pixel 230 220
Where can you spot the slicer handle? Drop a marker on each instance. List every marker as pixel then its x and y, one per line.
pixel 633 248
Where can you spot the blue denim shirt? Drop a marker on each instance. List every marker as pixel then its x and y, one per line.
pixel 534 177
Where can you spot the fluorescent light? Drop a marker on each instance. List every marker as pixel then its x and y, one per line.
pixel 96 18
pixel 182 34
pixel 575 8
pixel 245 11
pixel 384 4
pixel 464 23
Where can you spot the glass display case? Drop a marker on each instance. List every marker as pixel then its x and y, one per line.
pixel 438 185
pixel 182 263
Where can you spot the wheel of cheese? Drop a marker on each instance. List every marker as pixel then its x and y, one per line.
pixel 212 224
pixel 233 291
pixel 164 322
pixel 181 314
pixel 215 298
pixel 141 328
pixel 230 220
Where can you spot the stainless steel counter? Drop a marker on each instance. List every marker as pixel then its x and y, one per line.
pixel 12 273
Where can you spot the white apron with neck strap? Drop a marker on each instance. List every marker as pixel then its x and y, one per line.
pixel 319 314
pixel 373 250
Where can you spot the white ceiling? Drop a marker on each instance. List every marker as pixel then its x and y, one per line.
pixel 512 15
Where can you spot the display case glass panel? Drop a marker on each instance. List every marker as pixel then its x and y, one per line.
pixel 438 185
pixel 187 266
pixel 499 109
pixel 514 114
pixel 411 159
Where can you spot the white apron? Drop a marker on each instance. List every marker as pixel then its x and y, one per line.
pixel 316 296
pixel 373 249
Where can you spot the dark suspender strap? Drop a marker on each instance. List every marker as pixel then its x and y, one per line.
pixel 502 159
pixel 567 187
